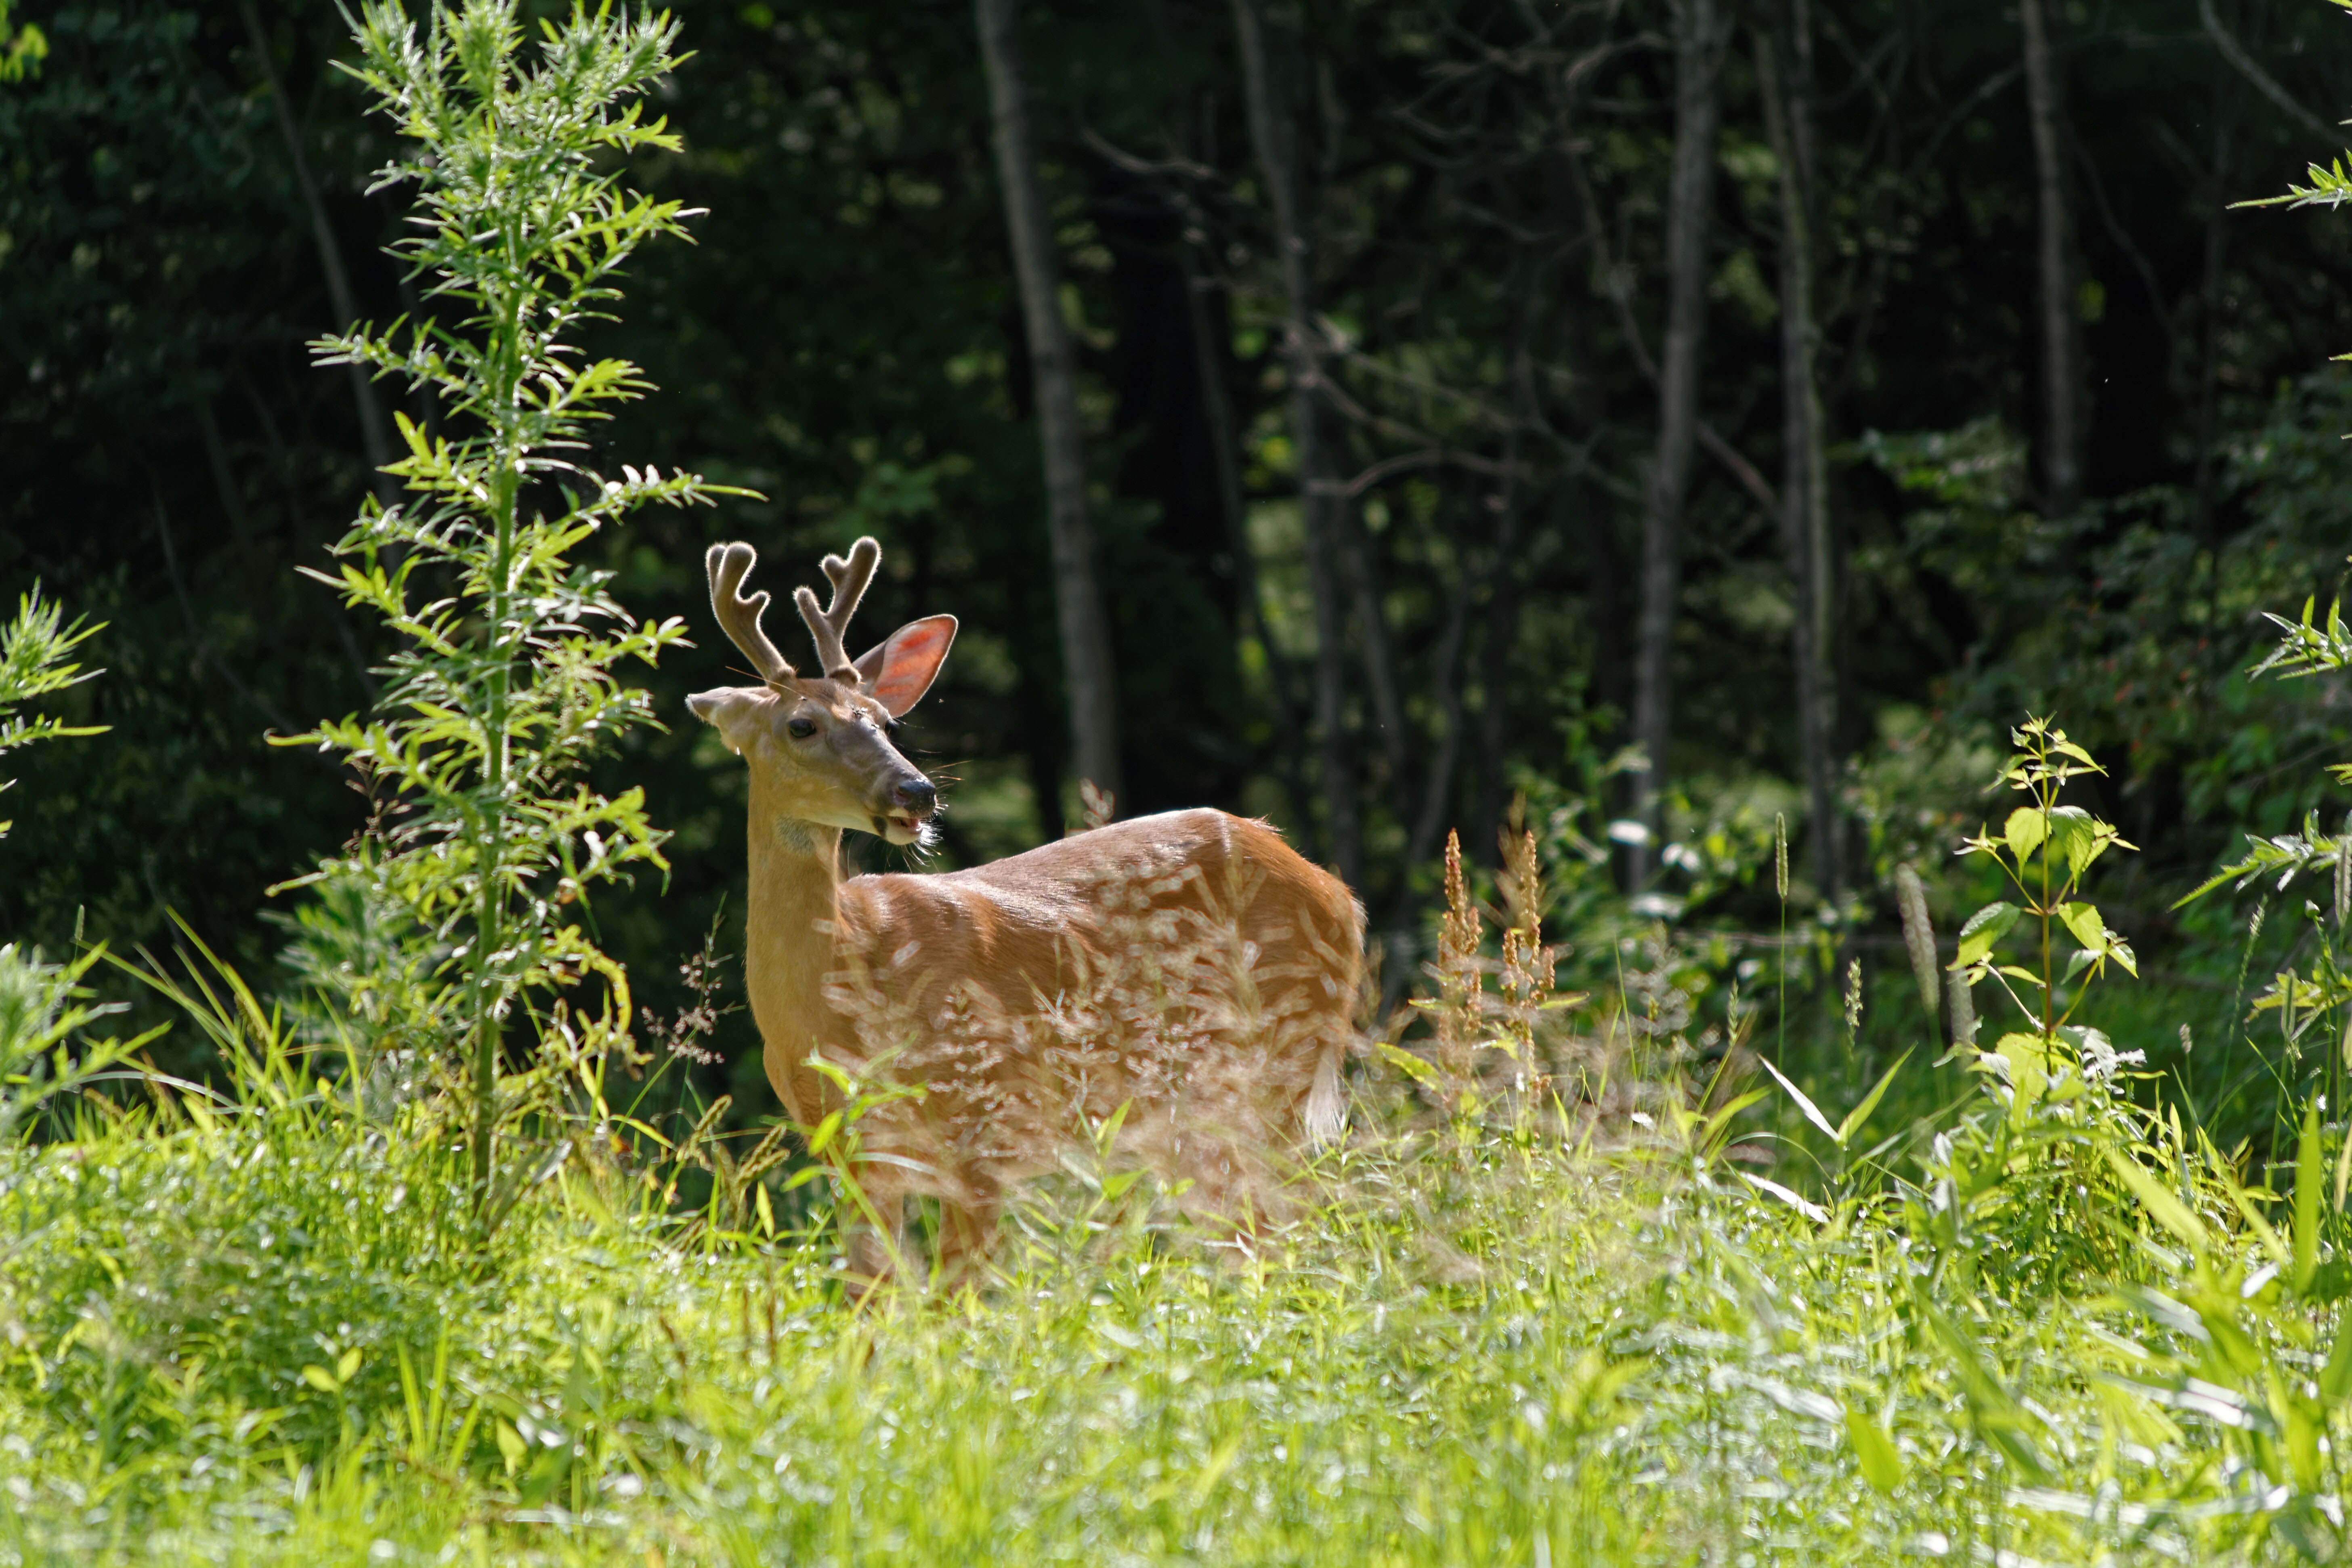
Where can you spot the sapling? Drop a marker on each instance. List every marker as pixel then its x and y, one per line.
pixel 2045 850
pixel 506 681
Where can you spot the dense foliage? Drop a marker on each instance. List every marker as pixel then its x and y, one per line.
pixel 188 203
pixel 262 1324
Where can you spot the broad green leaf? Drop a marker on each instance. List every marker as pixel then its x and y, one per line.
pixel 511 1447
pixel 1984 928
pixel 1715 1123
pixel 1999 1418
pixel 2074 836
pixel 2168 1210
pixel 2018 1447
pixel 1405 1061
pixel 2082 921
pixel 1882 1466
pixel 821 1139
pixel 2302 1447
pixel 2027 828
pixel 1212 1472
pixel 2029 1076
pixel 320 1378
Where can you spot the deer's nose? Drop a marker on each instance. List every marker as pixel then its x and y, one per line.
pixel 918 796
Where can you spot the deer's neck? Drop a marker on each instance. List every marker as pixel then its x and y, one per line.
pixel 792 921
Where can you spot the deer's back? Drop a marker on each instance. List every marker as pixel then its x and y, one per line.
pixel 1034 926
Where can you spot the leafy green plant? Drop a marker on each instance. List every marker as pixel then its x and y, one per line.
pixel 44 1007
pixel 45 1010
pixel 2034 1192
pixel 22 49
pixel 508 681
pixel 2045 850
pixel 2249 1355
pixel 2304 995
pixel 33 663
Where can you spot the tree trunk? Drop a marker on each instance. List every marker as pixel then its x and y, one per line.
pixel 1212 334
pixel 2062 375
pixel 1784 62
pixel 1218 407
pixel 1701 32
pixel 1502 625
pixel 1318 495
pixel 2209 375
pixel 375 430
pixel 1381 682
pixel 1086 668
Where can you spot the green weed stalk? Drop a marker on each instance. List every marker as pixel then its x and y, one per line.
pixel 506 677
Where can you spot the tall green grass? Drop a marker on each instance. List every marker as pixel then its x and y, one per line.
pixel 1550 1324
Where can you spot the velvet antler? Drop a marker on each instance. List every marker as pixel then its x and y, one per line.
pixel 739 615
pixel 849 580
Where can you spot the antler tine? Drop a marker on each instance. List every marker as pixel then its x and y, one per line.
pixel 850 578
pixel 739 615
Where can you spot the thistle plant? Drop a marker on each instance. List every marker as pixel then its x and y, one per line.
pixel 33 663
pixel 44 1007
pixel 506 681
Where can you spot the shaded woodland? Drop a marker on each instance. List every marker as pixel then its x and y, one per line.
pixel 1695 410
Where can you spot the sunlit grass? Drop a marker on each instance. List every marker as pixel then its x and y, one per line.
pixel 265 1337
pixel 1541 1307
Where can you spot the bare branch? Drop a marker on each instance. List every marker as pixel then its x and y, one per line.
pixel 2265 83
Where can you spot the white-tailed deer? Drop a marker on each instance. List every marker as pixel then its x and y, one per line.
pixel 1189 966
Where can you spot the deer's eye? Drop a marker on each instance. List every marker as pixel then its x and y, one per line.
pixel 800 729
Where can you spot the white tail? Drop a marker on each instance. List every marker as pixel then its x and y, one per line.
pixel 1189 966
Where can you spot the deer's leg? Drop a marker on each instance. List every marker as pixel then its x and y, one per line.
pixel 873 1219
pixel 967 1235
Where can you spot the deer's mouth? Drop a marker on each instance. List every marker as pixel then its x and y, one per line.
pixel 901 828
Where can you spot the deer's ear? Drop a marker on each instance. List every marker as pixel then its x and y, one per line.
pixel 726 709
pixel 902 668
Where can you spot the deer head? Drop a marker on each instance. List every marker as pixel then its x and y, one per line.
pixel 821 746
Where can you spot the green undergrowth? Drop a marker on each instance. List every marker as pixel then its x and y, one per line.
pixel 259 1328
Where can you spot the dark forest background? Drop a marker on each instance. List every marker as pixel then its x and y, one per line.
pixel 1487 191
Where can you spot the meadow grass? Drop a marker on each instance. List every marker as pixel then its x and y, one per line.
pixel 265 1330
pixel 1542 1305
